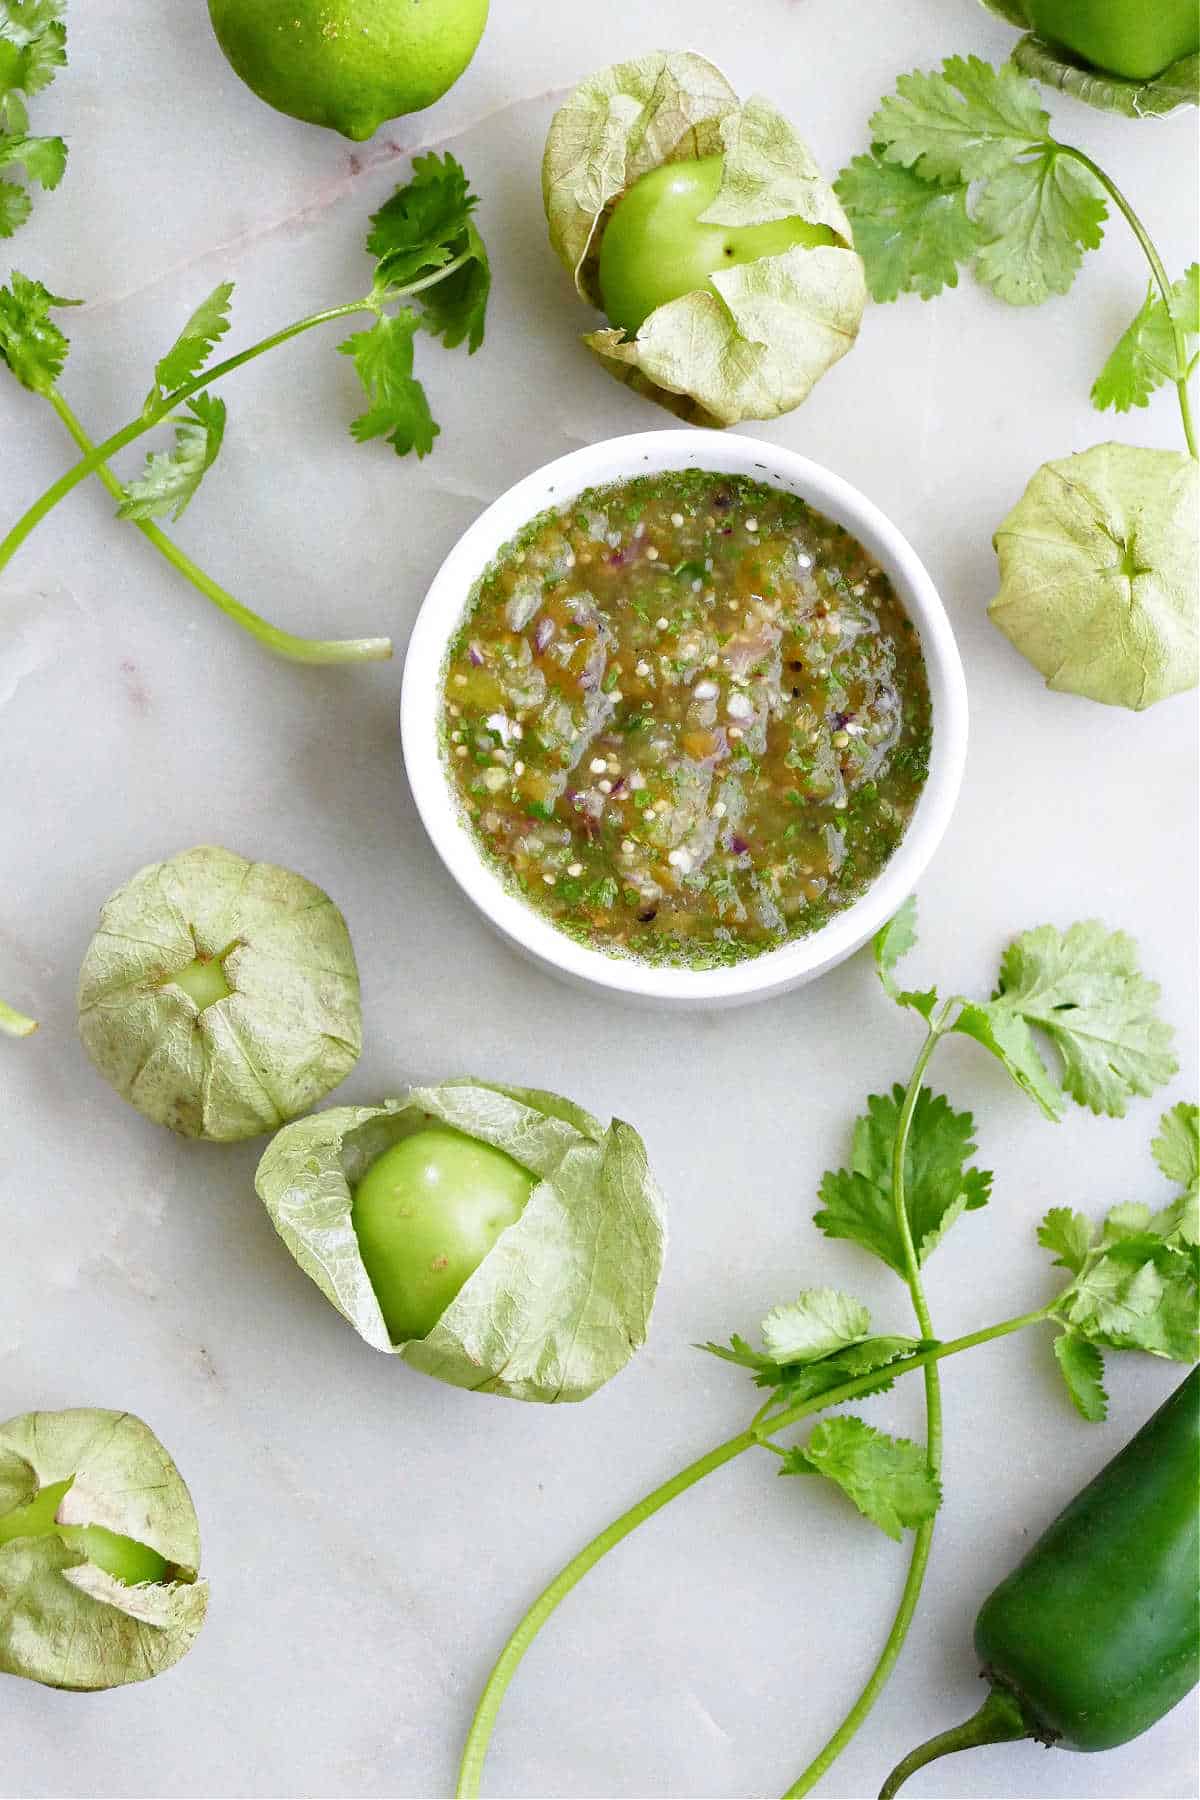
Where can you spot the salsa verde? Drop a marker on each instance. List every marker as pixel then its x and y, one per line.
pixel 687 717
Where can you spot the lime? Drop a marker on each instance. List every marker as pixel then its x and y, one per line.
pixel 349 64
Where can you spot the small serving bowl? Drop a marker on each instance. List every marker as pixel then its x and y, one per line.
pixel 560 482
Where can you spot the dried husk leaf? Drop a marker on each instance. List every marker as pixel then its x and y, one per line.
pixel 63 1621
pixel 1050 64
pixel 1098 574
pixel 616 126
pixel 563 1299
pixel 754 353
pixel 290 1030
pixel 756 347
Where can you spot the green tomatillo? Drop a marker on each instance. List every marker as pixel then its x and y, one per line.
pixel 1136 39
pixel 701 224
pixel 657 246
pixel 122 1557
pixel 99 1551
pixel 220 996
pixel 426 1213
pixel 498 1238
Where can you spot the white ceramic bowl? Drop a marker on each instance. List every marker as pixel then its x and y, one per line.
pixel 618 459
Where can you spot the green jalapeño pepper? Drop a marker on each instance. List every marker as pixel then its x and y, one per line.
pixel 1096 1634
pixel 1136 39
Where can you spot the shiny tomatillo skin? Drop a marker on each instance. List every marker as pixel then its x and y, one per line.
pixel 1136 39
pixel 655 247
pixel 426 1213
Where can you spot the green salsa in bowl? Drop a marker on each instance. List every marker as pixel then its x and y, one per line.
pixel 683 714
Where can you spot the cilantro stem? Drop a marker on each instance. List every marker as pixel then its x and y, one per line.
pixel 282 643
pixel 154 415
pixel 923 1535
pixel 161 408
pixel 1162 281
pixel 509 1660
pixel 15 1024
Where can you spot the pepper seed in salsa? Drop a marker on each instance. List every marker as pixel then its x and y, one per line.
pixel 687 718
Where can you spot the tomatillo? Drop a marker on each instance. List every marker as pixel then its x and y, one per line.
pixel 1136 39
pixel 426 1213
pixel 657 247
pixel 123 1558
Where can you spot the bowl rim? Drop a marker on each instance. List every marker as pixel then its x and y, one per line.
pixel 555 484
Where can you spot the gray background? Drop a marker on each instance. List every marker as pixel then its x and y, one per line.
pixel 371 1536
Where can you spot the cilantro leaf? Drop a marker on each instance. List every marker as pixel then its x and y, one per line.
pixel 1084 991
pixel 399 409
pixel 1177 1147
pixel 15 207
pixel 30 343
pixel 1138 1294
pixel 1069 1235
pixel 419 228
pixel 1010 1040
pixel 424 228
pixel 887 1478
pixel 893 941
pixel 817 1323
pixel 44 159
pixel 172 477
pixel 1136 1279
pixel 24 21
pixel 745 1356
pixel 1179 1223
pixel 1082 1369
pixel 857 1203
pixel 808 1380
pixel 1037 218
pixel 456 306
pixel 32 50
pixel 41 59
pixel 27 67
pixel 911 234
pixel 195 343
pixel 966 122
pixel 1144 356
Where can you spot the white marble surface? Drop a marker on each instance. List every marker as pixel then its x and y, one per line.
pixel 371 1536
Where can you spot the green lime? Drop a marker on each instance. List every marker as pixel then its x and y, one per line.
pixel 349 64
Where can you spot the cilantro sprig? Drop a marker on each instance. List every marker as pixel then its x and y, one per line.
pixel 963 170
pixel 431 275
pixel 1071 1018
pixel 33 48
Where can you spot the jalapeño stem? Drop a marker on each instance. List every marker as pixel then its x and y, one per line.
pixel 998 1721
